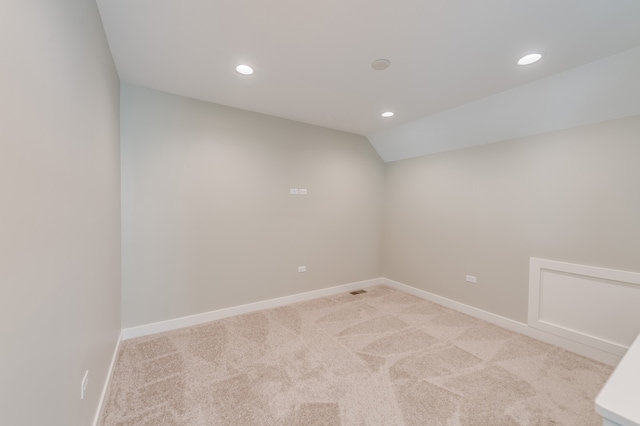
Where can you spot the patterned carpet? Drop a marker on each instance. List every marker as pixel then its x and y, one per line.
pixel 379 358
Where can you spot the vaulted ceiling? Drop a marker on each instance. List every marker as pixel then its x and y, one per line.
pixel 312 59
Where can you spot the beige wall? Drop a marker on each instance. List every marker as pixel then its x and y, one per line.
pixel 59 211
pixel 208 221
pixel 569 196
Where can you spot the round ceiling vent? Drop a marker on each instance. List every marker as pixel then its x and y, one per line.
pixel 380 64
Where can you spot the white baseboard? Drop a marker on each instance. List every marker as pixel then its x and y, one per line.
pixel 107 382
pixel 576 347
pixel 174 324
pixel 177 323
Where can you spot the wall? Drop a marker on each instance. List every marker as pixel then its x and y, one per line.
pixel 570 196
pixel 208 221
pixel 60 211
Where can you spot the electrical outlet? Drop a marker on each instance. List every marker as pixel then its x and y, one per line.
pixel 302 269
pixel 293 191
pixel 303 191
pixel 85 383
pixel 471 279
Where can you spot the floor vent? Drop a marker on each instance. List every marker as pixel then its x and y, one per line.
pixel 357 292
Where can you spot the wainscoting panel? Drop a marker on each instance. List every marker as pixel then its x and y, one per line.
pixel 594 306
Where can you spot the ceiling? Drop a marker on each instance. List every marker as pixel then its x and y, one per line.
pixel 312 59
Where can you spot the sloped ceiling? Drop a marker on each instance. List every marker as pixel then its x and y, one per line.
pixel 450 60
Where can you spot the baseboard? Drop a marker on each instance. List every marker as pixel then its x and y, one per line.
pixel 177 323
pixel 107 382
pixel 576 347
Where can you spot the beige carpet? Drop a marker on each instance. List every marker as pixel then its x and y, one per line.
pixel 379 358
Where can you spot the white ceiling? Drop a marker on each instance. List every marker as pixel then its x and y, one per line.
pixel 603 90
pixel 312 59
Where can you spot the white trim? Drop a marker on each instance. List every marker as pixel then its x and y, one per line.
pixel 617 401
pixel 537 266
pixel 570 345
pixel 107 382
pixel 188 321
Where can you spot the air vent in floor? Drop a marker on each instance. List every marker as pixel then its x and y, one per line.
pixel 357 292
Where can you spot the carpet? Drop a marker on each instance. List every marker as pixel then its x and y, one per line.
pixel 383 357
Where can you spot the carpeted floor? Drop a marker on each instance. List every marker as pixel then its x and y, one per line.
pixel 379 358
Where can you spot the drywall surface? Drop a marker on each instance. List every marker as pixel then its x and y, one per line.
pixel 59 211
pixel 569 196
pixel 208 219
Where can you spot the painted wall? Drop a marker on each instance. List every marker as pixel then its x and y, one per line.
pixel 59 211
pixel 208 221
pixel 569 196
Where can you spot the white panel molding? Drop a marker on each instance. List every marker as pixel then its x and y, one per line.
pixel 509 324
pixel 188 321
pixel 584 303
pixel 107 382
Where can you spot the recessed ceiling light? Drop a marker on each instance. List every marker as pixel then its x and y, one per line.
pixel 387 114
pixel 380 64
pixel 244 69
pixel 530 59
